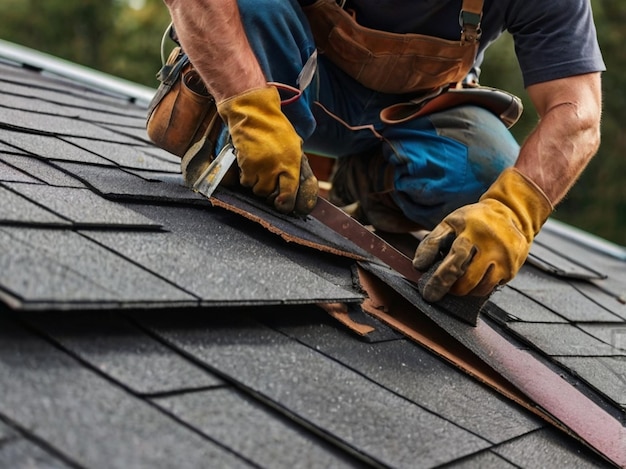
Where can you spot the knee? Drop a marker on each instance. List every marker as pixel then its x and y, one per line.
pixel 490 145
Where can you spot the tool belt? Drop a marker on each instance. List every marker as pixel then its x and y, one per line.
pixel 428 68
pixel 182 112
pixel 391 62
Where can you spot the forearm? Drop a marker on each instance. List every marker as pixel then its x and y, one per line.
pixel 211 33
pixel 564 141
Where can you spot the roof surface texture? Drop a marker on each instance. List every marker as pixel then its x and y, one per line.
pixel 141 326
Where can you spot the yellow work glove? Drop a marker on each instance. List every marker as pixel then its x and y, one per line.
pixel 269 151
pixel 485 243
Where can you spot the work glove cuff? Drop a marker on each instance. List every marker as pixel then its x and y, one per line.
pixel 524 198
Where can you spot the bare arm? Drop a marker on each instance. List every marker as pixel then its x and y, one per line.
pixel 568 133
pixel 213 37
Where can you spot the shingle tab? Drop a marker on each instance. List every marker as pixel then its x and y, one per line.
pixel 16 209
pixel 111 344
pixel 548 448
pixel 48 147
pixel 519 307
pixel 83 207
pixel 127 156
pixel 605 373
pixel 21 453
pixel 249 429
pixel 42 170
pixel 63 270
pixel 563 340
pixel 11 174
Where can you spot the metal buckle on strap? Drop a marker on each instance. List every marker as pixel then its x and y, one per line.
pixel 470 26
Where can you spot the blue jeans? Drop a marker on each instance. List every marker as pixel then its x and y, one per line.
pixel 440 162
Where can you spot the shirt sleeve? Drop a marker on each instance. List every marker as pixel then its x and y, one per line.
pixel 554 39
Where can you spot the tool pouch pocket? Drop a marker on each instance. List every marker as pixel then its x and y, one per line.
pixel 384 61
pixel 182 111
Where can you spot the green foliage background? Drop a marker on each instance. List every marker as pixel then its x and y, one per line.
pixel 122 37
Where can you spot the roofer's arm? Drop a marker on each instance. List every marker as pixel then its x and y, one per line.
pixel 487 242
pixel 269 151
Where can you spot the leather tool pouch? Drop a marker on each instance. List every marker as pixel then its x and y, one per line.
pixel 506 106
pixel 388 62
pixel 182 111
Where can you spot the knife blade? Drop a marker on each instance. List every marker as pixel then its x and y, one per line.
pixel 208 181
pixel 342 223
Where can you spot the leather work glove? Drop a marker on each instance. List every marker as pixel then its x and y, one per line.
pixel 485 243
pixel 269 151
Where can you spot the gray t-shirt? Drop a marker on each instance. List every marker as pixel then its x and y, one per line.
pixel 553 38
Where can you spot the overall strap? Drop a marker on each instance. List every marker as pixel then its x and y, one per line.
pixel 469 19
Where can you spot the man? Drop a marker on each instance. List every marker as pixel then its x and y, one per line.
pixel 457 172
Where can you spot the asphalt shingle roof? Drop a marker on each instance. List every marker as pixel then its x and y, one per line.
pixel 142 327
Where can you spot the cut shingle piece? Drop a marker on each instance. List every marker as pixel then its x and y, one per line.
pixel 111 344
pixel 410 371
pixel 93 422
pixel 17 209
pixel 344 405
pixel 250 429
pixel 54 269
pixel 83 207
pixel 215 271
pixel 227 236
pixel 114 183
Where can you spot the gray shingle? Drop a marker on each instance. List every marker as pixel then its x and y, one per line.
pixel 127 156
pixel 83 207
pixel 544 256
pixel 16 209
pixel 563 340
pixel 114 183
pixel 519 307
pixel 412 372
pixel 605 373
pixel 560 297
pixel 342 403
pixel 49 147
pixel 21 453
pixel 63 270
pixel 114 346
pixel 216 272
pixel 253 431
pixel 483 460
pixel 92 422
pixel 41 170
pixel 548 448
pixel 58 125
pixel 11 174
